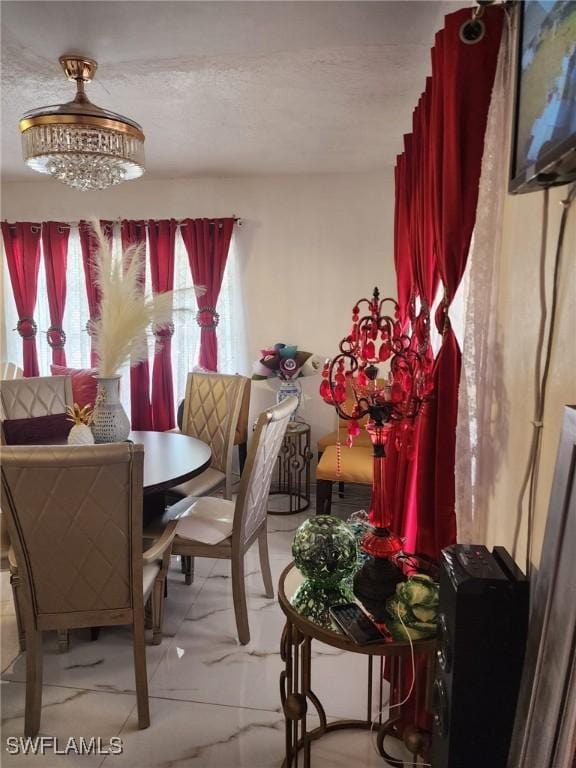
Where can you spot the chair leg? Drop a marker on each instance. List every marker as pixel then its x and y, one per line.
pixel 265 562
pixel 157 603
pixel 323 497
pixel 239 598
pixel 63 640
pixel 140 673
pixel 15 584
pixel 187 565
pixel 33 706
pixel 148 620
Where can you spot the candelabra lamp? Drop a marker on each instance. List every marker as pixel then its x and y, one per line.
pixel 383 371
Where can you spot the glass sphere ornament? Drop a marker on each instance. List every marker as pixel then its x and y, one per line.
pixel 326 554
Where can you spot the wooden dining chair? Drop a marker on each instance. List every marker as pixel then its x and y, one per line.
pixel 10 371
pixel 74 517
pixel 225 529
pixel 34 409
pixel 211 411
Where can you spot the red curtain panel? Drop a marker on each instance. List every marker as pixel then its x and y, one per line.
pixel 437 181
pixel 463 80
pixel 134 233
pixel 55 248
pixel 207 242
pixel 88 245
pixel 161 242
pixel 22 246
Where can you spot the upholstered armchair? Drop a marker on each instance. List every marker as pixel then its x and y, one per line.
pixel 74 516
pixel 225 529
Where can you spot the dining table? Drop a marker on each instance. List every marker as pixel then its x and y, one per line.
pixel 170 458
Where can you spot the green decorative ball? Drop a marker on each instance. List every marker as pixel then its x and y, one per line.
pixel 326 553
pixel 325 550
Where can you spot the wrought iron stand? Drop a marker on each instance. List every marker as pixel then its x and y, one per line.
pixel 293 471
pixel 297 694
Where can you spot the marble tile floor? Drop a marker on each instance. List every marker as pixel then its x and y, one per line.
pixel 213 702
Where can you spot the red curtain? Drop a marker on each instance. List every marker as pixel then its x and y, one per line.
pixel 22 245
pixel 207 242
pixel 437 181
pixel 463 76
pixel 134 232
pixel 55 247
pixel 161 239
pixel 88 245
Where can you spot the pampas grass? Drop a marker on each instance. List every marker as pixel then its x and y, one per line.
pixel 119 334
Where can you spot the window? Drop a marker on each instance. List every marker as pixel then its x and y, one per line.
pixel 232 349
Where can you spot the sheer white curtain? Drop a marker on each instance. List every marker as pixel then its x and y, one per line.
pixel 481 416
pixel 232 348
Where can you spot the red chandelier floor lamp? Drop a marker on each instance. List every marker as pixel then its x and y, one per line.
pixel 387 374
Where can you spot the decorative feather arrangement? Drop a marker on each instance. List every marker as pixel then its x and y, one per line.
pixel 119 334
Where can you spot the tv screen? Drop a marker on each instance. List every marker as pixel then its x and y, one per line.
pixel 544 148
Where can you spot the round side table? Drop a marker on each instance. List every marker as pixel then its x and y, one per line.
pixel 291 488
pixel 297 693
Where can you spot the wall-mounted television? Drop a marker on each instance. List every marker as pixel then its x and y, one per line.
pixel 544 140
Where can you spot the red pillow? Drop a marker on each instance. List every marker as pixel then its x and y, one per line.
pixel 84 385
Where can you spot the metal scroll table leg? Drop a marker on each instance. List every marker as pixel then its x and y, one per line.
pixel 295 693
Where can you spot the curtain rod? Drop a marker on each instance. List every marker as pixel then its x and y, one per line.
pixel 119 220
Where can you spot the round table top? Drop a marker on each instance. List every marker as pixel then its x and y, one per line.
pixel 290 580
pixel 170 458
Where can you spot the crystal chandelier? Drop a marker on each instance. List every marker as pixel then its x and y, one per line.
pixel 78 143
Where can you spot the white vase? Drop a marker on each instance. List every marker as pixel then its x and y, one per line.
pixel 289 388
pixel 80 434
pixel 110 423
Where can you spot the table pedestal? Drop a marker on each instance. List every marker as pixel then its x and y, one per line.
pixel 154 506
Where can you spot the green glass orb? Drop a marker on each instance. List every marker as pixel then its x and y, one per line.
pixel 313 599
pixel 325 550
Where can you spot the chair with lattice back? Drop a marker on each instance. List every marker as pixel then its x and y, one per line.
pixel 224 529
pixel 211 410
pixel 74 516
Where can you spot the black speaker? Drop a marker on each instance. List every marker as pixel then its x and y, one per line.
pixel 483 617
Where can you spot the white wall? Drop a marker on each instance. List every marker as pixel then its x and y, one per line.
pixel 310 246
pixel 518 314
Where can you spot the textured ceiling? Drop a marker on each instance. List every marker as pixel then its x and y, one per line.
pixel 229 88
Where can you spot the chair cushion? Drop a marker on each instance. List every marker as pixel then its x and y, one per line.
pixel 355 466
pixel 361 441
pixel 41 430
pixel 208 520
pixel 149 573
pixel 198 486
pixel 84 385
